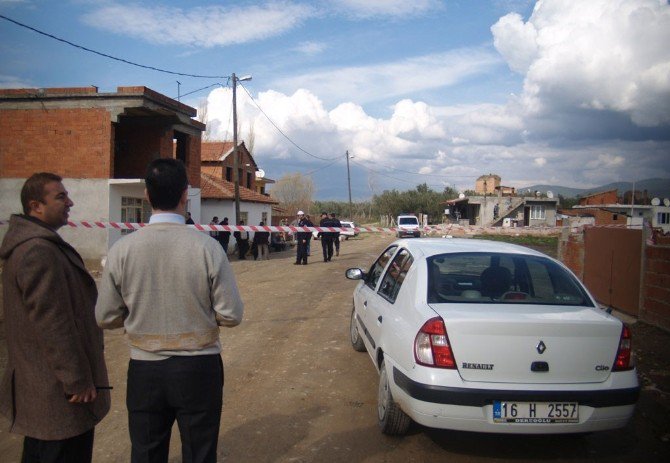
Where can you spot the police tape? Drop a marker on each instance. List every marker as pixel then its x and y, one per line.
pixel 441 229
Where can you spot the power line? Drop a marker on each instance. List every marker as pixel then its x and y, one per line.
pixel 281 132
pixel 200 90
pixel 385 175
pixel 81 47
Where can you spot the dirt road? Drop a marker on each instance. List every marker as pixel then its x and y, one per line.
pixel 295 391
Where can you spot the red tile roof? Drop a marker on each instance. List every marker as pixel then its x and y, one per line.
pixel 214 187
pixel 213 150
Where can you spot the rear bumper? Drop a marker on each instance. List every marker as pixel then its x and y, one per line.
pixel 481 397
pixel 470 409
pixel 406 233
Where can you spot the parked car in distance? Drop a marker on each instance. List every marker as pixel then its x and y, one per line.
pixel 346 234
pixel 486 336
pixel 408 225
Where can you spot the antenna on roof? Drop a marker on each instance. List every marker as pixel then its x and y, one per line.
pixel 666 202
pixel 550 194
pixel 656 202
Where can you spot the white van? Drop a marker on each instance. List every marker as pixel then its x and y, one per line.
pixel 408 225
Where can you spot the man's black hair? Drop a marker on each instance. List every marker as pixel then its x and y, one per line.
pixel 166 181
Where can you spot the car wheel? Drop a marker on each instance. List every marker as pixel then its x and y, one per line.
pixel 391 419
pixel 356 340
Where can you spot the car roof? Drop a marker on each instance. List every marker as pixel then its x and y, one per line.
pixel 432 246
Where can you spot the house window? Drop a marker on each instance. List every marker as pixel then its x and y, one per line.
pixel 248 179
pixel 244 216
pixel 663 218
pixel 264 218
pixel 537 212
pixel 134 210
pixel 229 174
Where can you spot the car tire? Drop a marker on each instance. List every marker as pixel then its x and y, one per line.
pixel 390 418
pixel 355 337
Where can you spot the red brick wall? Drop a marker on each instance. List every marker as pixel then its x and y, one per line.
pixel 606 197
pixel 193 161
pixel 656 290
pixel 571 253
pixel 72 143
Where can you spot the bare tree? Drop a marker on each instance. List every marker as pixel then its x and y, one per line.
pixel 251 138
pixel 202 117
pixel 294 192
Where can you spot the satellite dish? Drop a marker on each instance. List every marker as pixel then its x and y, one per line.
pixel 260 173
pixel 666 202
pixel 656 202
pixel 550 194
pixel 461 195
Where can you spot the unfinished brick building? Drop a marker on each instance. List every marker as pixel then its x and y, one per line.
pixel 100 143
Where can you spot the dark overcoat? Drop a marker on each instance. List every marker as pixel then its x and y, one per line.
pixel 54 345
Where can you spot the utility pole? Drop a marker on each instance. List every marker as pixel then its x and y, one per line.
pixel 351 214
pixel 236 162
pixel 178 91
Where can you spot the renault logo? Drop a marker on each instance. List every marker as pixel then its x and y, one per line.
pixel 541 347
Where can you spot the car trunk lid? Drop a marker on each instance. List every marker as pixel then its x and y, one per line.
pixel 531 344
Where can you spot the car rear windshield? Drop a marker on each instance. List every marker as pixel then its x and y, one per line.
pixel 408 221
pixel 485 278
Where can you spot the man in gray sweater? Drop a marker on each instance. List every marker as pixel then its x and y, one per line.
pixel 171 287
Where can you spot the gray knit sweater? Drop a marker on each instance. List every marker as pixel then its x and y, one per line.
pixel 170 286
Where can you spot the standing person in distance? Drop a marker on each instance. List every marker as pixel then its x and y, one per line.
pixel 242 239
pixel 326 238
pixel 189 219
pixel 55 358
pixel 224 236
pixel 303 238
pixel 214 234
pixel 172 319
pixel 335 222
pixel 261 240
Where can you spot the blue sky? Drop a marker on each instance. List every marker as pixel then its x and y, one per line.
pixel 555 91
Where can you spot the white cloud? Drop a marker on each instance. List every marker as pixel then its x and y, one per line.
pixel 395 8
pixel 540 161
pixel 207 26
pixel 7 81
pixel 386 80
pixel 311 48
pixel 596 56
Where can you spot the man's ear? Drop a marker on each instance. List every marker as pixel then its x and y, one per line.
pixel 146 195
pixel 184 198
pixel 35 207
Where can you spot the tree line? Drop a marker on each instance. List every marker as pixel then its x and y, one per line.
pixel 295 192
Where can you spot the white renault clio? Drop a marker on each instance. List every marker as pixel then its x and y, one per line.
pixel 485 336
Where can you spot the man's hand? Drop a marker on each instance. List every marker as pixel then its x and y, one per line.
pixel 86 396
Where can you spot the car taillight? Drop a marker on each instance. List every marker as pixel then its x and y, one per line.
pixel 431 345
pixel 624 356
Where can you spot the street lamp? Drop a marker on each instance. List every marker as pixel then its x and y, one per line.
pixel 236 173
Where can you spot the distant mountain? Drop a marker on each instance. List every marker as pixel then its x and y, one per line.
pixel 656 187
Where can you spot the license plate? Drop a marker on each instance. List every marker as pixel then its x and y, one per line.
pixel 535 412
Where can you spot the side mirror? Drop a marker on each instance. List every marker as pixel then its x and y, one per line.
pixel 354 274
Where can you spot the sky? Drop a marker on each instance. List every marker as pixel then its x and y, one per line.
pixel 562 92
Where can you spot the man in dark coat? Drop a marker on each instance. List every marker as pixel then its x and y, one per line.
pixel 54 388
pixel 224 236
pixel 303 238
pixel 242 238
pixel 326 238
pixel 335 222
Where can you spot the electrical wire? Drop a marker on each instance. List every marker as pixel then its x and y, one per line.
pixel 281 132
pixel 81 47
pixel 199 90
pixel 388 176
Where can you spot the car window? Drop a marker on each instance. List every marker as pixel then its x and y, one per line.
pixel 378 267
pixel 395 275
pixel 408 221
pixel 478 277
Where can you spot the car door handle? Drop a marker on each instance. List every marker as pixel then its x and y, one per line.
pixel 379 319
pixel 365 304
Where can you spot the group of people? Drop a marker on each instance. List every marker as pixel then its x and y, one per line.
pixel 171 305
pixel 329 240
pixel 260 243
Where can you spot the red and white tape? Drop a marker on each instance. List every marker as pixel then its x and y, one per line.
pixel 444 228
